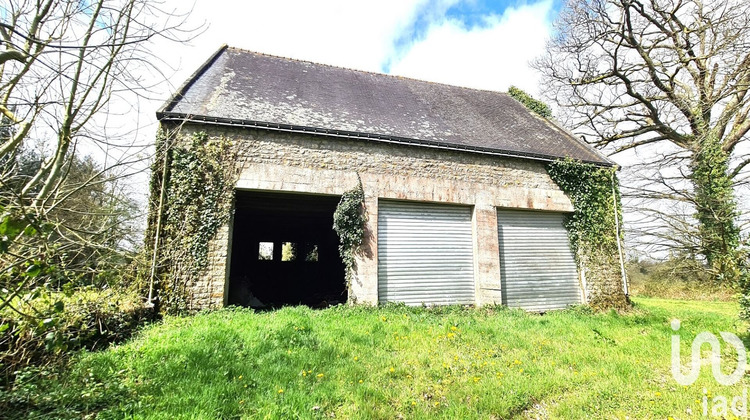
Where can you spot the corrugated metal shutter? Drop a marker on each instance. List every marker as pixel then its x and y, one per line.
pixel 425 253
pixel 537 268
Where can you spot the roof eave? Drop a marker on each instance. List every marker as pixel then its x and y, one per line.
pixel 164 115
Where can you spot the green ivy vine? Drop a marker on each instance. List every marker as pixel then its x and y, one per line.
pixel 349 224
pixel 197 201
pixel 592 227
pixel 529 102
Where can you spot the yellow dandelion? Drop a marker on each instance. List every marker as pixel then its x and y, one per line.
pixel 437 403
pixel 391 370
pixel 657 393
pixel 356 358
pixel 281 391
pixel 453 328
pixel 320 375
pixel 361 381
pixel 240 377
pixel 520 370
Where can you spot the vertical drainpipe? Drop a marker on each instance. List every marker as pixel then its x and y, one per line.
pixel 619 247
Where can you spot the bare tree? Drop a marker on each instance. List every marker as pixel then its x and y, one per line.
pixel 66 67
pixel 665 81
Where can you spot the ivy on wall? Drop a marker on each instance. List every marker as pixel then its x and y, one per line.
pixel 592 228
pixel 197 203
pixel 349 224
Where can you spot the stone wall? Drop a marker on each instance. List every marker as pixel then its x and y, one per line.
pixel 208 291
pixel 294 162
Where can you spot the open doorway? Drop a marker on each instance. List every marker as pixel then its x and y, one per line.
pixel 284 251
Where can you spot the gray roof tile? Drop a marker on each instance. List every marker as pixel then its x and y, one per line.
pixel 241 87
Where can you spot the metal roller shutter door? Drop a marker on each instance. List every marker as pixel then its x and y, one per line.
pixel 537 268
pixel 425 253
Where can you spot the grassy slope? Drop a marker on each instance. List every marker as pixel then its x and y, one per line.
pixel 380 363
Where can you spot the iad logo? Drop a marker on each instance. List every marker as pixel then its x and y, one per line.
pixel 695 357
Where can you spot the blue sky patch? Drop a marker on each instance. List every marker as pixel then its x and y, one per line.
pixel 470 14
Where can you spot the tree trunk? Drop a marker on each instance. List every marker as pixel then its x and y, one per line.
pixel 716 209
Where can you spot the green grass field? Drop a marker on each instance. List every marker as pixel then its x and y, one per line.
pixel 393 362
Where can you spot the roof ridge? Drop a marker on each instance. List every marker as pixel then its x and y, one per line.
pixel 550 121
pixel 374 73
pixel 510 127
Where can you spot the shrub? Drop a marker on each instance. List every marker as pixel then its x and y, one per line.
pixel 89 318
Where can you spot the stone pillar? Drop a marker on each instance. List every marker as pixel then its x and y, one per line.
pixel 208 292
pixel 486 255
pixel 364 287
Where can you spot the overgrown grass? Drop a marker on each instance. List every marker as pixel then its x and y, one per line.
pixel 391 362
pixel 676 279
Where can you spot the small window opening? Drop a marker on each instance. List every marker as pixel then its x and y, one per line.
pixel 312 253
pixel 265 251
pixel 288 251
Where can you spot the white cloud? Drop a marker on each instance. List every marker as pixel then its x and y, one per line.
pixel 492 56
pixel 345 33
pixel 363 35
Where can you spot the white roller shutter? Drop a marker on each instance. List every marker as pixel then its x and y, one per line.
pixel 537 268
pixel 425 253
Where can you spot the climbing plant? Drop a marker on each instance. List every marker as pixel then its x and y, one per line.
pixel 529 102
pixel 593 226
pixel 196 203
pixel 349 224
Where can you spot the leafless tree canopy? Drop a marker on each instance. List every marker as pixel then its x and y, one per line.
pixel 62 64
pixel 67 68
pixel 655 82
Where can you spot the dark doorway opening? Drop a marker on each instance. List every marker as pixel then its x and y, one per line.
pixel 284 251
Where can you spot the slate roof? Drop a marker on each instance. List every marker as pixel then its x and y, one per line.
pixel 238 87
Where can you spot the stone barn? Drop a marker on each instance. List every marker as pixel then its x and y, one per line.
pixel 459 206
